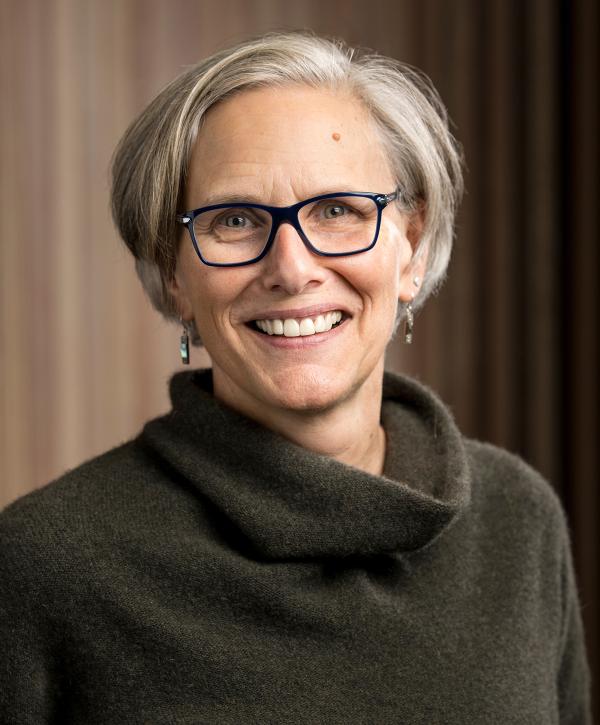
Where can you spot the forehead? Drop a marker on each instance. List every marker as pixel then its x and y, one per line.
pixel 284 144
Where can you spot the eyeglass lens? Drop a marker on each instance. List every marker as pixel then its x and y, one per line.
pixel 341 225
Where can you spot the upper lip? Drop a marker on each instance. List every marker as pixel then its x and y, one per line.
pixel 298 312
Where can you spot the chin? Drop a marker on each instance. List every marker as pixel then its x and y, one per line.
pixel 311 391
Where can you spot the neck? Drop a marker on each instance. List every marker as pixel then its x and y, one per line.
pixel 349 431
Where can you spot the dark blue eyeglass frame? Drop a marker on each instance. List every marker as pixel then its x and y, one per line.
pixel 286 214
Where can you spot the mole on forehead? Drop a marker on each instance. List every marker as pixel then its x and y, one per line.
pixel 335 136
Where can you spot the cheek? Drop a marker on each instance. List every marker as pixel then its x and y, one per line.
pixel 196 287
pixel 376 279
pixel 215 294
pixel 208 300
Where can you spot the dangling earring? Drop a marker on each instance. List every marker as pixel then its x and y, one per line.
pixel 409 323
pixel 184 345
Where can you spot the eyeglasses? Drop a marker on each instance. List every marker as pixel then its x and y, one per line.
pixel 331 225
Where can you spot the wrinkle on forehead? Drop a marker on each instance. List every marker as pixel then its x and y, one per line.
pixel 276 145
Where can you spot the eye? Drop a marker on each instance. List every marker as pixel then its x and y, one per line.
pixel 335 211
pixel 236 221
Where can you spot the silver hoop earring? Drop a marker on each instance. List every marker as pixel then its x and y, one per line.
pixel 184 345
pixel 409 323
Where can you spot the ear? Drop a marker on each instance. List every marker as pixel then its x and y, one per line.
pixel 412 275
pixel 178 291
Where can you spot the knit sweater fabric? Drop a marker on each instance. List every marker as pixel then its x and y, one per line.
pixel 210 571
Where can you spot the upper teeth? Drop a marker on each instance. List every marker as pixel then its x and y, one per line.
pixel 296 327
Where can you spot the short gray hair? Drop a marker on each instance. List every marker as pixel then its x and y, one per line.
pixel 151 161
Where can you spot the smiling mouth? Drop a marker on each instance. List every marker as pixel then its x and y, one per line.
pixel 300 327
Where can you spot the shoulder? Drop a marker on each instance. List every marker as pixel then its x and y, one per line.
pixel 510 494
pixel 507 474
pixel 97 480
pixel 71 519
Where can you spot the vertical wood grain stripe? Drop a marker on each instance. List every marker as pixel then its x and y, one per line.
pixel 542 237
pixel 582 339
pixel 14 383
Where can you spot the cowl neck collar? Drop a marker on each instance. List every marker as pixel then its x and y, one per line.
pixel 292 503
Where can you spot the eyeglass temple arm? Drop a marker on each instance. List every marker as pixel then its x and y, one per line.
pixel 385 199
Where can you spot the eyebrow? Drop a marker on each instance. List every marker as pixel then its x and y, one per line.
pixel 246 198
pixel 228 198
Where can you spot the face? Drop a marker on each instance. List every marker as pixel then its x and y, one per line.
pixel 278 147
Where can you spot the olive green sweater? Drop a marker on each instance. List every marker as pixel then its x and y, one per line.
pixel 210 571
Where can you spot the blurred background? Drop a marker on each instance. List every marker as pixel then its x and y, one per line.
pixel 511 341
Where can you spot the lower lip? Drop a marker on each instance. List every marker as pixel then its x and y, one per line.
pixel 303 341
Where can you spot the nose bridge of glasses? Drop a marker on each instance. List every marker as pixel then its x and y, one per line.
pixel 287 215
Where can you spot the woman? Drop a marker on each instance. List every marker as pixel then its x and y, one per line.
pixel 303 539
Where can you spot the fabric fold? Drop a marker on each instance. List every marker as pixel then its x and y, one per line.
pixel 292 503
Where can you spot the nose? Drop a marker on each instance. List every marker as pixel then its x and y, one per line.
pixel 290 266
